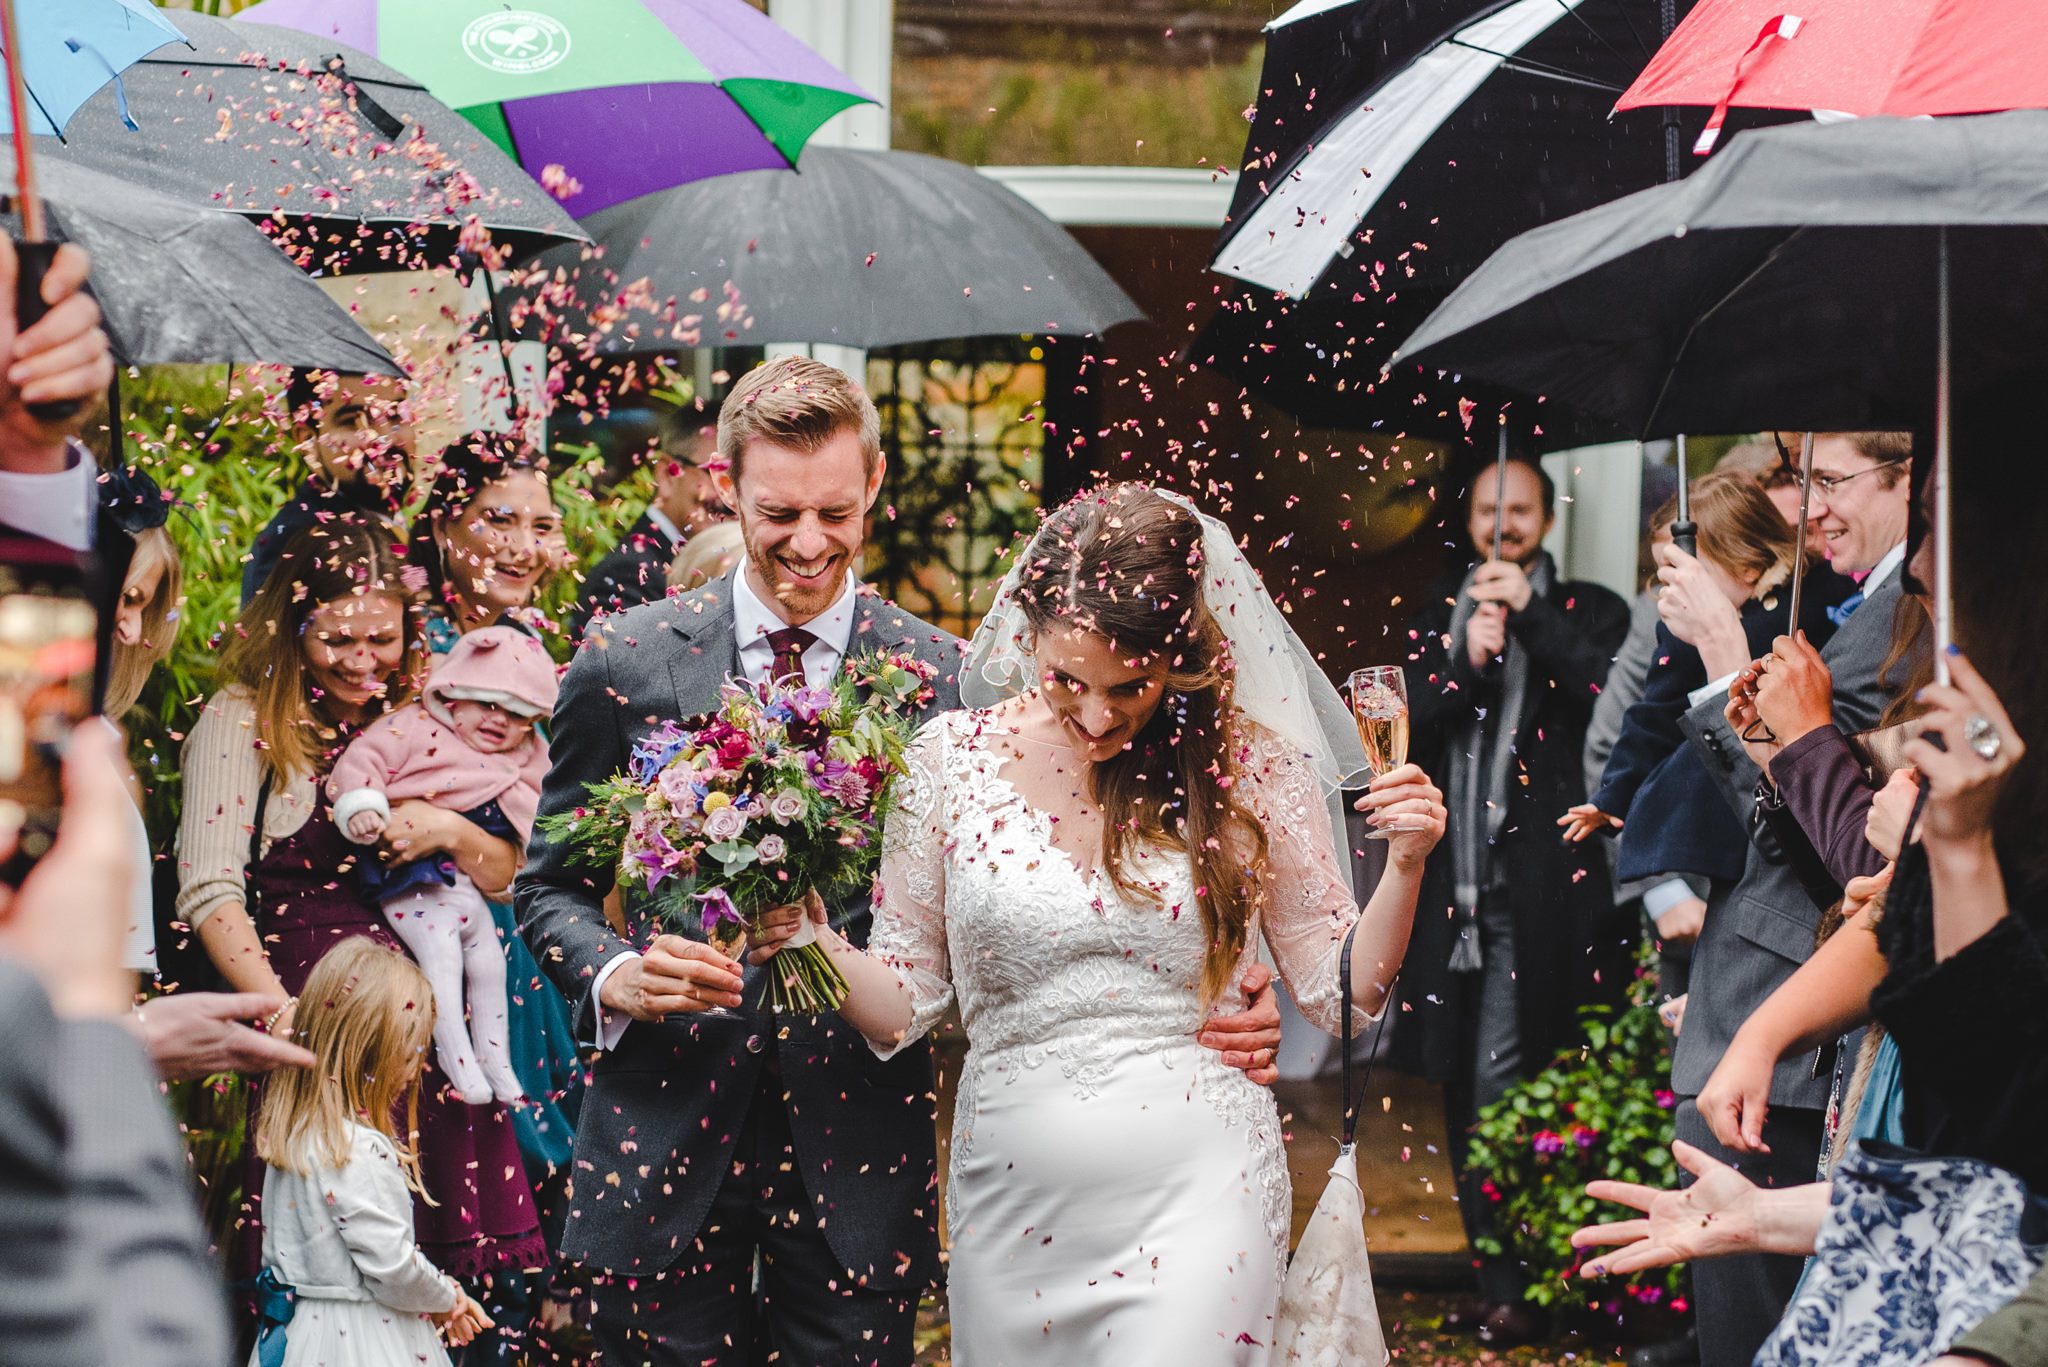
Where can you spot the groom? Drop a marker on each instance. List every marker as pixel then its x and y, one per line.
pixel 709 1149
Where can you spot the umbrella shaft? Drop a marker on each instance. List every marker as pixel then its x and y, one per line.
pixel 26 203
pixel 1684 533
pixel 1500 485
pixel 1944 586
pixel 1799 544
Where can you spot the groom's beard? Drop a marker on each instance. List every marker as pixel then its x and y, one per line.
pixel 799 601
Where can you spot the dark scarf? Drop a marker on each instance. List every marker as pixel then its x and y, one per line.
pixel 1482 760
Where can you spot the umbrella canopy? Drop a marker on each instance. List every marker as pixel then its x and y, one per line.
pixel 71 50
pixel 358 171
pixel 859 248
pixel 1792 282
pixel 1365 201
pixel 693 88
pixel 180 284
pixel 1860 57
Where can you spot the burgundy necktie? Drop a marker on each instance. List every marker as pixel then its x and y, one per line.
pixel 789 645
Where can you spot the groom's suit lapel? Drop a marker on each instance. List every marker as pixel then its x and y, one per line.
pixel 709 652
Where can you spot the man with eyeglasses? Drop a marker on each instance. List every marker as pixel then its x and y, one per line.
pixel 1763 929
pixel 685 502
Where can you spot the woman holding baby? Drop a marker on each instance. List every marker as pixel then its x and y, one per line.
pixel 330 644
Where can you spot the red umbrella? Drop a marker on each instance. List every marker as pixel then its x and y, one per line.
pixel 1862 57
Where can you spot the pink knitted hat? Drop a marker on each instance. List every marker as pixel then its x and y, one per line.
pixel 501 665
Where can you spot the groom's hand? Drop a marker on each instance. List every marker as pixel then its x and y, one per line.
pixel 675 976
pixel 1251 1038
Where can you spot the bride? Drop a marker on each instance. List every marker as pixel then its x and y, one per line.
pixel 1087 863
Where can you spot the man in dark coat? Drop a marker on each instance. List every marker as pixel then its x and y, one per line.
pixel 1515 930
pixel 685 502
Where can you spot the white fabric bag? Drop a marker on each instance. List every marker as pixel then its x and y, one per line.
pixel 1328 1316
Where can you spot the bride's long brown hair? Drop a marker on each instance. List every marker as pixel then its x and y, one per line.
pixel 1126 564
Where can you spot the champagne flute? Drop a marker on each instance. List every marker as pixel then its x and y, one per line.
pixel 1379 704
pixel 728 937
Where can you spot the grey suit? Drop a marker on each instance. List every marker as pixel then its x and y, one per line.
pixel 1757 934
pixel 661 1191
pixel 102 1258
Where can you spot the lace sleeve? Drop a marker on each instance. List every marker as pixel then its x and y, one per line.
pixel 1308 900
pixel 909 933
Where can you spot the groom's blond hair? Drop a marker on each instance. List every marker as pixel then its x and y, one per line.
pixel 799 403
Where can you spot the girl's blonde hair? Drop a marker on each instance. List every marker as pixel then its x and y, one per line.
pixel 131 665
pixel 265 652
pixel 706 556
pixel 1742 531
pixel 367 1013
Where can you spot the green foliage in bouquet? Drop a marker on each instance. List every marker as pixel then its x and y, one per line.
pixel 1604 1111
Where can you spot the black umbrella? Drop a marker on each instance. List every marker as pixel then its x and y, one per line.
pixel 1396 144
pixel 179 284
pixel 352 160
pixel 1818 277
pixel 858 248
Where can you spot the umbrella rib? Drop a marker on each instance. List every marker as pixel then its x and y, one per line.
pixel 1700 320
pixel 1512 62
pixel 1598 36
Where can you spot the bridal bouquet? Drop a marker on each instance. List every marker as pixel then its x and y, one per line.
pixel 780 792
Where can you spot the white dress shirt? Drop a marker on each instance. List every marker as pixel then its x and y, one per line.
pixel 752 620
pixel 56 507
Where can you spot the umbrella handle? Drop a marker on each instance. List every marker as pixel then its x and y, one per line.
pixel 32 263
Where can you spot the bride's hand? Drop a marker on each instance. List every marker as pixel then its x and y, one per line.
pixel 775 927
pixel 1409 808
pixel 1249 1039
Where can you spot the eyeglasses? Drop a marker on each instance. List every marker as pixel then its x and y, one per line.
pixel 1827 484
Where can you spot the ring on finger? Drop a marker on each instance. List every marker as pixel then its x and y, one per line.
pixel 1981 734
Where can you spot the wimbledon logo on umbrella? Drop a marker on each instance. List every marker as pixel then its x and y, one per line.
pixel 516 42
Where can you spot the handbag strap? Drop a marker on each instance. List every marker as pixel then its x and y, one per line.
pixel 1379 1026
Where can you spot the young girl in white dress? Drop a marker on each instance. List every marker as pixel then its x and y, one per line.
pixel 1087 863
pixel 343 1283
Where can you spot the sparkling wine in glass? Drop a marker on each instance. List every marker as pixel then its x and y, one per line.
pixel 1379 704
pixel 730 939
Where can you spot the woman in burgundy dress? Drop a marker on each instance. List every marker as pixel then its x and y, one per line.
pixel 267 880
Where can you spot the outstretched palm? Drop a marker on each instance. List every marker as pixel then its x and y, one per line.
pixel 1715 1215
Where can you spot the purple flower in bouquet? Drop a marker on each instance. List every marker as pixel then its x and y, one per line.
pixel 656 750
pixel 715 909
pixel 662 860
pixel 786 806
pixel 840 781
pixel 771 848
pixel 727 823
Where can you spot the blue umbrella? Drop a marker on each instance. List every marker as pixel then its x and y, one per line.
pixel 72 48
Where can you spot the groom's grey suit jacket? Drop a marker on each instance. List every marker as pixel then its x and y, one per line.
pixel 656 1132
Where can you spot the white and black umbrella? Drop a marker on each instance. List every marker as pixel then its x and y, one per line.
pixel 1816 277
pixel 1396 144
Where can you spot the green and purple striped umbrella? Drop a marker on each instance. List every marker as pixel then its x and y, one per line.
pixel 627 96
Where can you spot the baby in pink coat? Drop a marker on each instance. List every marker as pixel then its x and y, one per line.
pixel 468 746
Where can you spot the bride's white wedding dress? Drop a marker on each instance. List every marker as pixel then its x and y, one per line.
pixel 1116 1192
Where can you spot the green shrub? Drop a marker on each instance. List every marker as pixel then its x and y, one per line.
pixel 1601 1112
